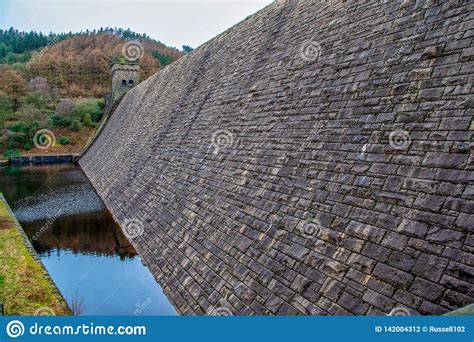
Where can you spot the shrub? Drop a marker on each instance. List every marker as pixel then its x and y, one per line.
pixel 11 153
pixel 12 58
pixel 36 99
pixel 30 113
pixel 21 68
pixel 13 142
pixel 75 126
pixel 91 107
pixel 101 103
pixel 87 120
pixel 17 140
pixel 6 107
pixel 21 133
pixel 60 120
pixel 27 146
pixel 20 126
pixel 64 140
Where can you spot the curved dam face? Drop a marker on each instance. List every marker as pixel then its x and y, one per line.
pixel 313 159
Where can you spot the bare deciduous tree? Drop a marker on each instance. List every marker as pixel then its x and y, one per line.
pixel 77 304
pixel 39 84
pixel 64 107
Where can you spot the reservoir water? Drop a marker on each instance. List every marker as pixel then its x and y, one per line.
pixel 89 258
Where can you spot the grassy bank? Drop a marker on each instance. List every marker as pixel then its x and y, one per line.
pixel 24 288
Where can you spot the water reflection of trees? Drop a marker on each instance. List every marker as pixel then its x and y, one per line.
pixel 93 233
pixel 96 234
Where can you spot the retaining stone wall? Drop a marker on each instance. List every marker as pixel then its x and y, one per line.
pixel 316 158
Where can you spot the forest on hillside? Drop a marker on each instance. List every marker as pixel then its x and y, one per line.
pixel 58 81
pixel 79 64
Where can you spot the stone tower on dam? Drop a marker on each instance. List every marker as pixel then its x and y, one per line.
pixel 314 159
pixel 124 77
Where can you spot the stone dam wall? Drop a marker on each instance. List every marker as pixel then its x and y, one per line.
pixel 314 159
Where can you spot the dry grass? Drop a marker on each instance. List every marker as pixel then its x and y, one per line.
pixel 23 287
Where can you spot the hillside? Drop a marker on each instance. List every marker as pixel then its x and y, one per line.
pixel 58 81
pixel 80 65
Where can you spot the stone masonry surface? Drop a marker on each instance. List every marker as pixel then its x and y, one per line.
pixel 123 73
pixel 314 159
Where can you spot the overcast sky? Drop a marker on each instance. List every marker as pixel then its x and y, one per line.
pixel 174 23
